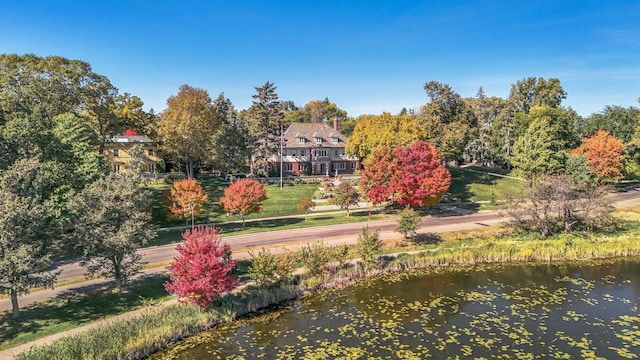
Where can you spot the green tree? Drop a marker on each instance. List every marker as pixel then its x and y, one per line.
pixel 27 231
pixel 230 153
pixel 490 112
pixel 538 152
pixel 112 222
pixel 531 91
pixel 375 131
pixel 368 247
pixel 264 124
pixel 187 127
pixel 449 123
pixel 345 195
pixel 408 222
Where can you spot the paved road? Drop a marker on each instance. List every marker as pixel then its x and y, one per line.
pixel 330 235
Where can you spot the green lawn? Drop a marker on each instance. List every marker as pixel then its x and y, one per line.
pixel 481 186
pixel 280 202
pixel 77 308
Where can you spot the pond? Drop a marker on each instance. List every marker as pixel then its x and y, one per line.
pixel 528 311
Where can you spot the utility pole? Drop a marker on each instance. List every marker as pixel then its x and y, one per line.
pixel 281 146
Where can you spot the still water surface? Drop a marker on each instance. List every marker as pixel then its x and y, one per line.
pixel 533 311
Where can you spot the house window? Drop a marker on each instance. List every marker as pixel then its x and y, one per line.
pixel 335 153
pixel 318 140
pixel 320 153
pixel 288 167
pixel 293 152
pixel 335 140
pixel 353 166
pixel 116 152
pixel 340 166
pixel 300 140
pixel 302 167
pixel 116 168
pixel 150 167
pixel 150 152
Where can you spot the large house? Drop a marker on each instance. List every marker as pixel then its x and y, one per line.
pixel 118 153
pixel 314 149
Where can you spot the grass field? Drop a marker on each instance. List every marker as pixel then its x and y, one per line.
pixel 481 188
pixel 280 202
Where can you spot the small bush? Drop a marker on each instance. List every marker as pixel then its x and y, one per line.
pixel 263 268
pixel 314 258
pixel 369 245
pixel 408 223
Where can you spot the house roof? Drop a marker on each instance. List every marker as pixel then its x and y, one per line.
pixel 131 139
pixel 309 132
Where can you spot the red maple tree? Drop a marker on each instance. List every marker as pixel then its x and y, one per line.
pixel 409 175
pixel 604 155
pixel 200 272
pixel 243 197
pixel 186 196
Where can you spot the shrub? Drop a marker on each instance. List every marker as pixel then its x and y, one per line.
pixel 408 222
pixel 369 245
pixel 263 268
pixel 314 258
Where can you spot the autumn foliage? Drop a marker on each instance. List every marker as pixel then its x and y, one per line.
pixel 130 132
pixel 604 155
pixel 243 197
pixel 186 196
pixel 200 272
pixel 409 175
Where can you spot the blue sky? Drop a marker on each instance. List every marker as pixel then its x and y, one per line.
pixel 366 56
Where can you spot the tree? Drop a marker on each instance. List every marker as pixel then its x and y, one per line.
pixel 449 123
pixel 537 151
pixel 374 131
pixel 491 113
pixel 264 124
pixel 604 155
pixel 410 176
pixel 323 110
pixel 618 121
pixel 187 198
pixel 187 127
pixel 112 221
pixel 243 197
pixel 345 195
pixel 229 141
pixel 368 247
pixel 305 204
pixel 555 203
pixel 531 91
pixel 25 245
pixel 137 158
pixel 408 222
pixel 201 271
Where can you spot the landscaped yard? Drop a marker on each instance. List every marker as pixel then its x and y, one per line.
pixel 482 186
pixel 281 202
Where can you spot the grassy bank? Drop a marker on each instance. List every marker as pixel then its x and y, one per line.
pixel 159 327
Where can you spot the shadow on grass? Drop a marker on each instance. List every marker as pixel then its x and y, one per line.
pixel 78 306
pixel 427 238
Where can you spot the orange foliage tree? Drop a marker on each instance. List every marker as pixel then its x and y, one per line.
pixel 409 175
pixel 187 198
pixel 243 197
pixel 604 155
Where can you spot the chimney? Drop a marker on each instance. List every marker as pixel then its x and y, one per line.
pixel 336 124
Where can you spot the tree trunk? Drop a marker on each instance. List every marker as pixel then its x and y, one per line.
pixel 242 220
pixel 14 304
